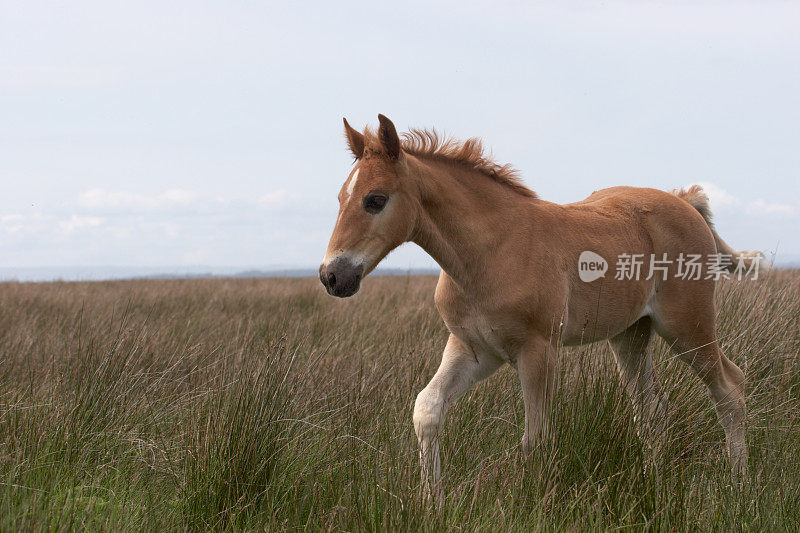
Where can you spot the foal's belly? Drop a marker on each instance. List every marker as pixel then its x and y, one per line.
pixel 597 315
pixel 579 335
pixel 580 314
pixel 502 336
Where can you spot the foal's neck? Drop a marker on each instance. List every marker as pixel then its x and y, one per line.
pixel 464 217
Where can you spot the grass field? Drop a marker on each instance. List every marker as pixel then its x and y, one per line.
pixel 266 404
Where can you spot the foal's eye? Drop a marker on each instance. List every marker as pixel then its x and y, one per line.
pixel 374 203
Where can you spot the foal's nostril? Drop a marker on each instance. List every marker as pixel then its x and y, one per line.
pixel 341 277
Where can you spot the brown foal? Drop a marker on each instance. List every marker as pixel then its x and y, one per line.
pixel 510 290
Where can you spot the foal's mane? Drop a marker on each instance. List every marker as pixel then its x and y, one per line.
pixel 428 144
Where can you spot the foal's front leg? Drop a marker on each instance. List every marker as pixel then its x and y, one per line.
pixel 536 369
pixel 461 368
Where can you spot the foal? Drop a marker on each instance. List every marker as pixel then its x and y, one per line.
pixel 510 290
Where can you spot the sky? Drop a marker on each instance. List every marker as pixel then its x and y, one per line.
pixel 209 134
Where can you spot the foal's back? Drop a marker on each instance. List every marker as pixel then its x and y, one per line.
pixel 629 228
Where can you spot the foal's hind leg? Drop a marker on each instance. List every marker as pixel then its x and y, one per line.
pixel 461 368
pixel 636 368
pixel 687 324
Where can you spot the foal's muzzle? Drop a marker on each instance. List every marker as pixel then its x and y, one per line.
pixel 341 277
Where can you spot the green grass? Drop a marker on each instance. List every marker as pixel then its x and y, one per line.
pixel 266 404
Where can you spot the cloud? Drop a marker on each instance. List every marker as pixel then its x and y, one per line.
pixel 119 204
pixel 12 223
pixel 178 196
pixel 719 196
pixel 275 197
pixel 762 207
pixel 196 256
pixel 101 198
pixel 79 222
pixel 22 225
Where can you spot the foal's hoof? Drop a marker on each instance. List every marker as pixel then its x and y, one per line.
pixel 527 449
pixel 740 475
pixel 433 498
pixel 528 446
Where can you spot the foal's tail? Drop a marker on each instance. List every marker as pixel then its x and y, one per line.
pixel 698 199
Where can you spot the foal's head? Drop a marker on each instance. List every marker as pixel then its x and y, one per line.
pixel 376 210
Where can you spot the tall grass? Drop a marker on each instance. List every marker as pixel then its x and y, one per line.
pixel 265 404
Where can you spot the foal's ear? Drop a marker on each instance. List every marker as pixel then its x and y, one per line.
pixel 388 136
pixel 355 140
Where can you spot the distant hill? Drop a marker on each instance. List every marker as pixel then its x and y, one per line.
pixel 292 273
pixel 100 273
